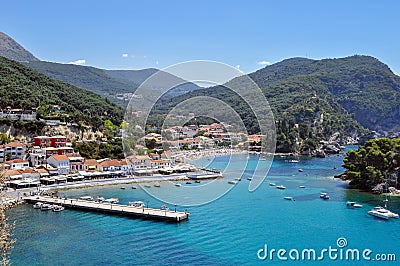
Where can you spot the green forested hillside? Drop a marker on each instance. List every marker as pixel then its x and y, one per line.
pixel 315 99
pixel 90 78
pixel 22 87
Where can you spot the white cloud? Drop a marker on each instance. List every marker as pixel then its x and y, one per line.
pixel 125 55
pixel 79 62
pixel 238 68
pixel 264 63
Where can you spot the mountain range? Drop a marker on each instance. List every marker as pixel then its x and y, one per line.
pixel 312 100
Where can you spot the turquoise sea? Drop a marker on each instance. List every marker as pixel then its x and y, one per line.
pixel 227 231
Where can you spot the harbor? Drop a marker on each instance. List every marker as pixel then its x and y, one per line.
pixel 111 208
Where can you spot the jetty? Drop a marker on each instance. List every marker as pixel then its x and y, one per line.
pixel 111 208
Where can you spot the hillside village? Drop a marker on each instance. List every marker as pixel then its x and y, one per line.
pixel 51 160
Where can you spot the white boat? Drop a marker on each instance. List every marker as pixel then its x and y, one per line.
pixel 233 182
pixel 133 187
pixel 288 198
pixel 380 212
pixel 123 187
pixel 301 186
pixel 89 198
pixel 238 179
pixel 100 198
pixel 293 161
pixel 46 207
pixel 272 184
pixel 300 170
pixel 37 205
pixel 148 186
pixel 353 204
pixel 178 185
pixel 112 200
pixel 57 208
pixel 280 187
pixel 324 196
pixel 138 204
pixel 249 178
pixel 157 184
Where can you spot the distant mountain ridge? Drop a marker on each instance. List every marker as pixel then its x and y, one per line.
pixel 10 49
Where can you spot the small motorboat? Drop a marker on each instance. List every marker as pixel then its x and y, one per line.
pixel 288 198
pixel 280 187
pixel 123 187
pixel 37 205
pixel 324 196
pixel 238 179
pixel 233 182
pixel 293 161
pixel 272 184
pixel 188 182
pixel 100 198
pixel 249 178
pixel 46 207
pixel 352 204
pixel 157 184
pixel 111 200
pixel 178 185
pixel 133 187
pixel 148 186
pixel 88 198
pixel 57 208
pixel 301 186
pixel 138 204
pixel 300 170
pixel 197 181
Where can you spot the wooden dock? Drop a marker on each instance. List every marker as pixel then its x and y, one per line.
pixel 118 209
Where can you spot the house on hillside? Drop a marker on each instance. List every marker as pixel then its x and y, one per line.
pixel 91 165
pixel 60 162
pixel 15 150
pixel 17 164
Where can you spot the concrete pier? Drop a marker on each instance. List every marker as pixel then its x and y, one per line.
pixel 118 209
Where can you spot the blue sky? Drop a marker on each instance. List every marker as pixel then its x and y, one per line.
pixel 249 34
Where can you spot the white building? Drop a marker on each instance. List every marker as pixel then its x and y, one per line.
pixel 61 162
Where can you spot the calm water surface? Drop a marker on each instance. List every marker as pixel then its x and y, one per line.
pixel 228 231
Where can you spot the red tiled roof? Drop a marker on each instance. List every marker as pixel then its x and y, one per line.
pixel 14 144
pixel 17 161
pixel 110 163
pixel 90 161
pixel 60 157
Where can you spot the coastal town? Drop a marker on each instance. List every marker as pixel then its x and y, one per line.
pixel 52 160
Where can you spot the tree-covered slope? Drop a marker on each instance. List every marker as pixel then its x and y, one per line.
pixel 314 100
pixel 362 85
pixel 90 78
pixel 23 87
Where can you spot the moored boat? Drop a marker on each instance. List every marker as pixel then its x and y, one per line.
pixel 353 204
pixel 280 187
pixel 46 207
pixel 288 198
pixel 57 208
pixel 138 204
pixel 111 200
pixel 232 182
pixel 37 205
pixel 324 196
